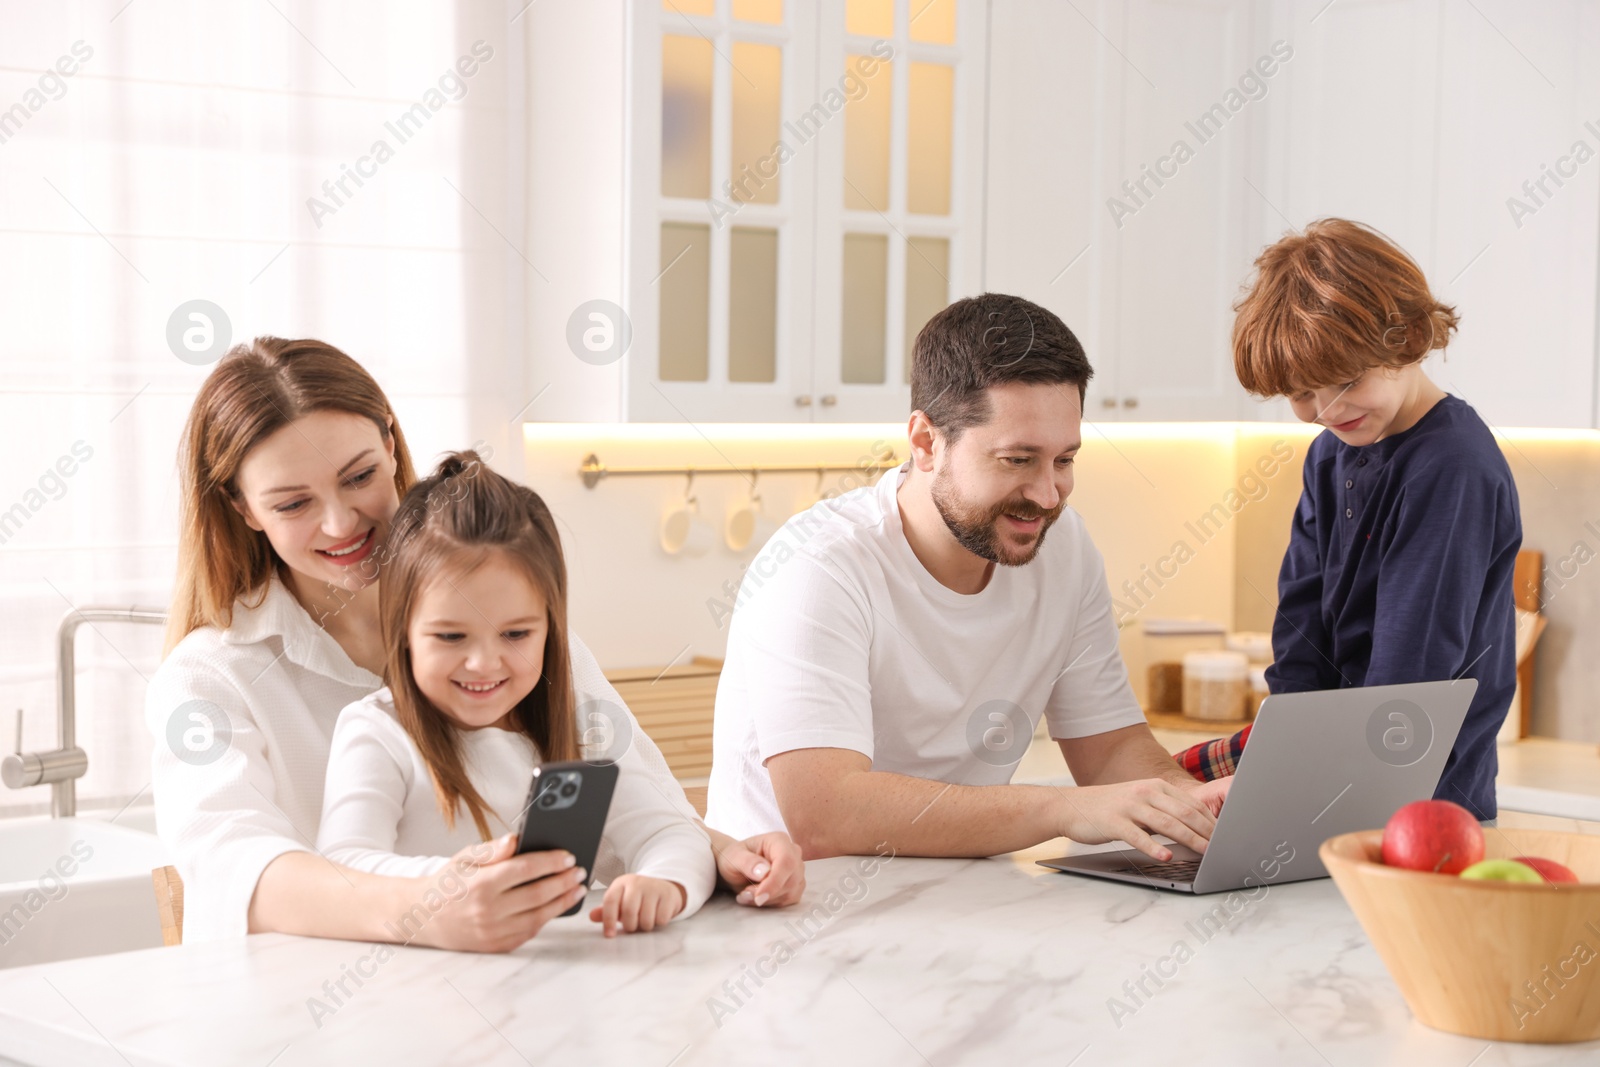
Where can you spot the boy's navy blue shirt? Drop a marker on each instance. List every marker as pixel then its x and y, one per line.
pixel 1399 570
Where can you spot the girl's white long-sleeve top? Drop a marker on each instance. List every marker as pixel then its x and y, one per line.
pixel 380 812
pixel 243 719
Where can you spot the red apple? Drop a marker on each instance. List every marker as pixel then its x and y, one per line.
pixel 1550 870
pixel 1433 835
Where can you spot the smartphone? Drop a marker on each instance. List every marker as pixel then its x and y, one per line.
pixel 567 807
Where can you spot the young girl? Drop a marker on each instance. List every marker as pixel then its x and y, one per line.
pixel 1403 545
pixel 482 686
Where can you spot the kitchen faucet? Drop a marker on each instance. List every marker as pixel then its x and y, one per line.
pixel 63 766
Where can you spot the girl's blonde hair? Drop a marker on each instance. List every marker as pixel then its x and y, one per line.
pixel 450 522
pixel 256 389
pixel 1330 303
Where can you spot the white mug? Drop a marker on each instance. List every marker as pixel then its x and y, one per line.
pixel 685 533
pixel 748 527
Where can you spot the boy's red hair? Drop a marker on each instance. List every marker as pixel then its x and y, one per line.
pixel 1330 303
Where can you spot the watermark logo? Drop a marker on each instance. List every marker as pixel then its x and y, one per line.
pixel 1399 732
pixel 605 731
pixel 999 732
pixel 198 732
pixel 599 332
pixel 198 332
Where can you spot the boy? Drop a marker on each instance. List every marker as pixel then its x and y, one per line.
pixel 1403 543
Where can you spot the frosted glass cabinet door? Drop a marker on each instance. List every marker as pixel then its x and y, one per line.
pixel 903 239
pixel 718 224
pixel 807 191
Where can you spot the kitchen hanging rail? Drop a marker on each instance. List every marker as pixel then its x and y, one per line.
pixel 592 470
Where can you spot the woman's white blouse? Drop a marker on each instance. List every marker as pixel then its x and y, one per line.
pixel 380 812
pixel 243 722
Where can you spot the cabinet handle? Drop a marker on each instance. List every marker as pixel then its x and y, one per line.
pixel 829 400
pixel 1131 402
pixel 1108 402
pixel 802 401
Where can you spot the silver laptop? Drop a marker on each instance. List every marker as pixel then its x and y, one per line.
pixel 1316 765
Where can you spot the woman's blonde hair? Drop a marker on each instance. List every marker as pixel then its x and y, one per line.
pixel 1330 303
pixel 255 390
pixel 450 523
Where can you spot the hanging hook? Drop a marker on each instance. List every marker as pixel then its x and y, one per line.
pixel 688 488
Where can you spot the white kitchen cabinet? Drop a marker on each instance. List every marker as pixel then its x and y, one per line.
pixel 888 92
pixel 1423 119
pixel 1178 260
pixel 1418 117
pixel 1520 103
pixel 1090 97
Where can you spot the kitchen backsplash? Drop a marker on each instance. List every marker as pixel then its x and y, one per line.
pixel 1192 519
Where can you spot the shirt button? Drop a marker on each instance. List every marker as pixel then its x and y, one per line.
pixel 1362 462
pixel 1348 513
pixel 1349 484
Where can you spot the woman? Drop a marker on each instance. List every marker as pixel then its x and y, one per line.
pixel 293 464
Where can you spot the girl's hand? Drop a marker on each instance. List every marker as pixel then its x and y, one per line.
pixel 635 902
pixel 765 870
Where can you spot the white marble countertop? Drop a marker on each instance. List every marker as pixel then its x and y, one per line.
pixel 922 962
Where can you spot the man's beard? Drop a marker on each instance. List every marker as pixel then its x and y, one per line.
pixel 978 529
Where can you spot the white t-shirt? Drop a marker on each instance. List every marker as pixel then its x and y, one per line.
pixel 242 720
pixel 380 812
pixel 842 639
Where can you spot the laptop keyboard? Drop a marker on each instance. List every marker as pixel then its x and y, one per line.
pixel 1176 870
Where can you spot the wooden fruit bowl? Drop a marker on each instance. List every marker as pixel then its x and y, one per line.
pixel 1500 961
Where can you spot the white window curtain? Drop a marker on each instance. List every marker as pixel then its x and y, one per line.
pixel 350 171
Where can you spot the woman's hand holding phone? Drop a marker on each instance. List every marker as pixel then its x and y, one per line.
pixel 636 902
pixel 506 901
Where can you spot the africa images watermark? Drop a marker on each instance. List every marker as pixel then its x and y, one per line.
pixel 1205 128
pixel 791 536
pixel 1563 571
pixel 851 888
pixel 1251 488
pixel 448 886
pixel 852 86
pixel 50 86
pixel 1154 977
pixel 52 886
pixel 403 128
pixel 1536 192
pixel 51 485
pixel 1552 979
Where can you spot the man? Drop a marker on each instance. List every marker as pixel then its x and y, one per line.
pixel 893 649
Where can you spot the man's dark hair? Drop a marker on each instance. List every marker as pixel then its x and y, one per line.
pixel 988 340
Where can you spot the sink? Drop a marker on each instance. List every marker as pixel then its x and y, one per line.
pixel 75 887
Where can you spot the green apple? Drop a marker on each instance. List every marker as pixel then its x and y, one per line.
pixel 1501 871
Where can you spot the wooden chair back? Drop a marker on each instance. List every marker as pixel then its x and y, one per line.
pixel 169 903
